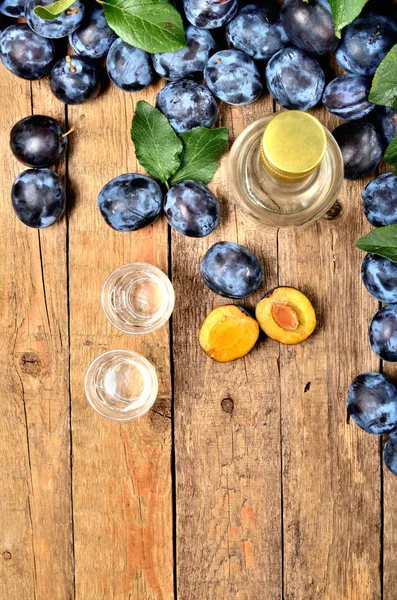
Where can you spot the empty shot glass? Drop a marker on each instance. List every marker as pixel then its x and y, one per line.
pixel 121 385
pixel 138 298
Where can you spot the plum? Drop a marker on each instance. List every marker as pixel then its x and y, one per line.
pixel 379 276
pixel 346 97
pixel 187 62
pixel 365 42
pixel 67 22
pixel 231 270
pixel 75 80
pixel 130 202
pixel 228 332
pixel 38 198
pixel 379 200
pixel 233 77
pixel 387 123
pixel 390 453
pixel 383 333
pixel 372 403
pixel 38 141
pixel 209 14
pixel 361 148
pixel 12 8
pixel 295 79
pixel 257 31
pixel 94 37
pixel 309 26
pixel 129 68
pixel 286 315
pixel 191 209
pixel 187 104
pixel 25 53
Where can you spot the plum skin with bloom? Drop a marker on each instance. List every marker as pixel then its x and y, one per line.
pixel 379 200
pixel 233 77
pixel 191 209
pixel 390 453
pixel 383 333
pixel 309 26
pixel 379 275
pixel 75 80
pixel 209 14
pixel 38 198
pixel 94 37
pixel 372 403
pixel 63 25
pixel 25 53
pixel 346 97
pixel 361 148
pixel 129 68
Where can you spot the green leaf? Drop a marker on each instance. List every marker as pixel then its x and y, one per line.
pixel 391 154
pixel 157 147
pixel 381 241
pixel 51 11
pixel 202 149
pixel 147 24
pixel 344 12
pixel 384 83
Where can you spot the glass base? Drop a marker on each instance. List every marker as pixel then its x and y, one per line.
pixel 279 203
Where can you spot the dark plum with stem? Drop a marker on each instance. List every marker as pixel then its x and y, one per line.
pixel 361 148
pixel 94 37
pixel 67 22
pixel 25 53
pixel 191 209
pixel 387 123
pixel 379 275
pixel 231 270
pixel 38 141
pixel 38 198
pixel 295 79
pixel 379 200
pixel 74 80
pixel 187 104
pixel 346 97
pixel 130 202
pixel 372 403
pixel 186 62
pixel 129 68
pixel 257 31
pixel 210 14
pixel 12 8
pixel 309 26
pixel 233 77
pixel 390 453
pixel 383 333
pixel 365 42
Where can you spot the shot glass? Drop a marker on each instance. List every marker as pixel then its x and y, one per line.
pixel 121 385
pixel 138 298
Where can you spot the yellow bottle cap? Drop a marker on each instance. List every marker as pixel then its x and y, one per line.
pixel 293 145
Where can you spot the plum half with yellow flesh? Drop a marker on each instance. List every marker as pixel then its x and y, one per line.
pixel 228 333
pixel 286 315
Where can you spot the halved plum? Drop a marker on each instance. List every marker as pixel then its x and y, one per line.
pixel 286 315
pixel 227 333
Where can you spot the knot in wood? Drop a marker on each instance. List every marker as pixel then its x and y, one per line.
pixel 334 211
pixel 7 555
pixel 227 405
pixel 29 363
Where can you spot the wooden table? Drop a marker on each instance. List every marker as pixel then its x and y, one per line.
pixel 244 482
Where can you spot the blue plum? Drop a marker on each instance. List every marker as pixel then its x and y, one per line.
pixel 365 42
pixel 379 276
pixel 309 26
pixel 94 37
pixel 233 77
pixel 191 209
pixel 130 202
pixel 75 80
pixel 67 22
pixel 361 148
pixel 38 141
pixel 38 198
pixel 210 14
pixel 187 104
pixel 187 62
pixel 12 8
pixel 257 31
pixel 231 270
pixel 346 97
pixel 129 68
pixel 383 333
pixel 379 200
pixel 295 79
pixel 372 403
pixel 387 123
pixel 25 53
pixel 390 453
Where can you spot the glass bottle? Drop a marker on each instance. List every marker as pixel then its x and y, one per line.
pixel 285 169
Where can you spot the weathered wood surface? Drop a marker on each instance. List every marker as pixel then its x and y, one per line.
pixel 248 487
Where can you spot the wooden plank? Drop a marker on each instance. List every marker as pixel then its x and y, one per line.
pixel 121 472
pixel 227 424
pixel 331 477
pixel 37 560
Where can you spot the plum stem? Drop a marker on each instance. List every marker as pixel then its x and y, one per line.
pixel 72 11
pixel 71 66
pixel 68 132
